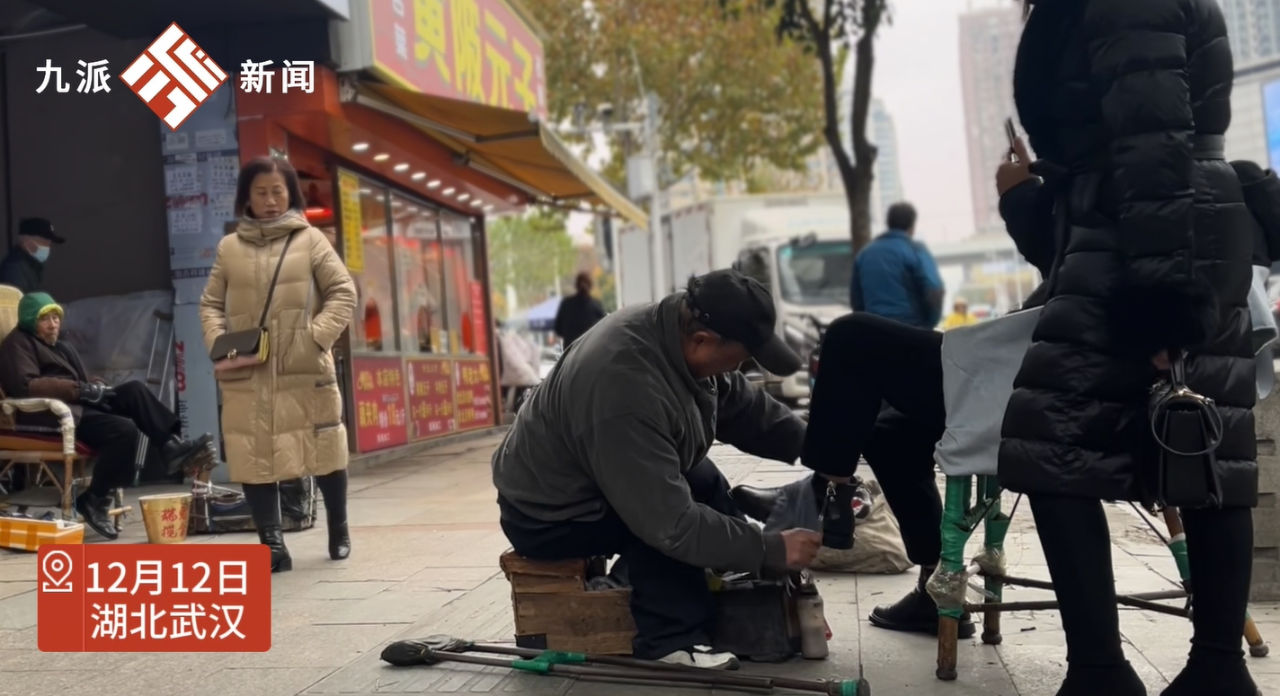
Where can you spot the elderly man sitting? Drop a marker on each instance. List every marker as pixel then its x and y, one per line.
pixel 117 422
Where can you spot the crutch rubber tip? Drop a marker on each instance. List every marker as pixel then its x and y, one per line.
pixel 1259 650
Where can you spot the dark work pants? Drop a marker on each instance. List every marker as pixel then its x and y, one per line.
pixel 879 395
pixel 1077 547
pixel 670 601
pixel 121 432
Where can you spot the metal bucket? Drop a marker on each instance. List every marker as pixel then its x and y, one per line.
pixel 165 517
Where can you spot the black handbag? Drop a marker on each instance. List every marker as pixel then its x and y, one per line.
pixel 1187 429
pixel 250 347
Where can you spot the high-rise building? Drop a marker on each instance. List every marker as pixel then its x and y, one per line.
pixel 988 46
pixel 887 188
pixel 1254 29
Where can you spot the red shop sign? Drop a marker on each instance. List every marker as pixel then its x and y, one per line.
pixel 479 51
pixel 431 410
pixel 473 394
pixel 379 401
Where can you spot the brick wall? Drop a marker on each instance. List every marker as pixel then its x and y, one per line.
pixel 1266 517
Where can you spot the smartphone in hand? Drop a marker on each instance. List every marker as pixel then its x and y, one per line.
pixel 1012 134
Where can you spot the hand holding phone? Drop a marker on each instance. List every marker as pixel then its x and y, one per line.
pixel 1012 134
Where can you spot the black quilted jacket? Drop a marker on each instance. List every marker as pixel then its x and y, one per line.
pixel 1125 103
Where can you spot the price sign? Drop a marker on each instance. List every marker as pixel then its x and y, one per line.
pixel 431 410
pixel 472 388
pixel 381 418
pixel 154 598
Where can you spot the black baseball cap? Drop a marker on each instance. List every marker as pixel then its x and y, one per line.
pixel 740 309
pixel 39 227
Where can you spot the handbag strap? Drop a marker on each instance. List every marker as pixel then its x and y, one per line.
pixel 271 289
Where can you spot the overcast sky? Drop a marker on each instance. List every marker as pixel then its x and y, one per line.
pixel 917 75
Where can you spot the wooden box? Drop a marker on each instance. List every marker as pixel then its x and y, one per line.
pixel 555 611
pixel 20 534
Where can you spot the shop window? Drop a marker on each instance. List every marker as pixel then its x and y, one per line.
pixel 374 325
pixel 464 293
pixel 419 261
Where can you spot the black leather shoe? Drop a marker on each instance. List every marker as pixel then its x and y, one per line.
pixel 339 540
pixel 188 456
pixel 94 511
pixel 1107 680
pixel 1212 676
pixel 835 501
pixel 917 612
pixel 756 503
pixel 273 538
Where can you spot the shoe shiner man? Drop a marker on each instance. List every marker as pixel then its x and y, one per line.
pixel 609 456
pixel 118 423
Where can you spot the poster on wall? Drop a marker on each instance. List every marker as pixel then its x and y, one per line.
pixel 381 418
pixel 201 161
pixel 473 394
pixel 431 410
pixel 352 221
pixel 480 327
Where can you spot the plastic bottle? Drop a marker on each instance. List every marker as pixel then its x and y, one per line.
pixel 813 623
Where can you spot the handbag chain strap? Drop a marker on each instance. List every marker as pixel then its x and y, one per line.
pixel 271 289
pixel 1178 389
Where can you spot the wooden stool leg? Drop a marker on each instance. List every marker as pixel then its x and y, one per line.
pixel 1257 646
pixel 995 526
pixel 68 474
pixel 955 533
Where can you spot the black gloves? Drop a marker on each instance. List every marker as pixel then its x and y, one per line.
pixel 94 392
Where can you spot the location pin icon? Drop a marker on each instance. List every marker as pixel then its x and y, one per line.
pixel 56 567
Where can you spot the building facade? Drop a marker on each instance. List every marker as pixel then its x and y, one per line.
pixel 1254 28
pixel 988 47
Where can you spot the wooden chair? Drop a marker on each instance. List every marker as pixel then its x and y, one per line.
pixel 36 449
pixel 963 512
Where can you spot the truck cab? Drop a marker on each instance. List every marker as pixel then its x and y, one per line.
pixel 805 259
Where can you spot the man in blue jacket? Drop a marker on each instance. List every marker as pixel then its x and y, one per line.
pixel 895 276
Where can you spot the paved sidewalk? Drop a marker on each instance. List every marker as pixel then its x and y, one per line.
pixel 426 544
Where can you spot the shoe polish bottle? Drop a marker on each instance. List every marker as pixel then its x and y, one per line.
pixel 813 623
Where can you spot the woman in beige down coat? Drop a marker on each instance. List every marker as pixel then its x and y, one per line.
pixel 282 419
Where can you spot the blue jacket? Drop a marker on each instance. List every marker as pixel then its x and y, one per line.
pixel 895 277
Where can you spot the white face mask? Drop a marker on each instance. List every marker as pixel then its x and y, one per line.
pixel 41 254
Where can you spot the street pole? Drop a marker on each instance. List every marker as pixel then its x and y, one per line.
pixel 655 219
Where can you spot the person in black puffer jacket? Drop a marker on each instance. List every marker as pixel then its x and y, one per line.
pixel 1126 104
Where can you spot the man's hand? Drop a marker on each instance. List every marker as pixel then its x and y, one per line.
pixel 802 547
pixel 1010 174
pixel 93 392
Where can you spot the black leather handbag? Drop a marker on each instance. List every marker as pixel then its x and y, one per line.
pixel 250 347
pixel 1187 429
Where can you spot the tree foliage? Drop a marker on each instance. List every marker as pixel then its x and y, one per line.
pixel 826 28
pixel 533 254
pixel 730 93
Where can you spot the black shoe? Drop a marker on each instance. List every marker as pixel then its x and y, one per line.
pixel 917 613
pixel 94 511
pixel 188 456
pixel 835 501
pixel 339 540
pixel 273 537
pixel 1107 680
pixel 756 503
pixel 1213 676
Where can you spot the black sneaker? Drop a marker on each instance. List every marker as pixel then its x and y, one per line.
pixel 94 511
pixel 188 456
pixel 917 613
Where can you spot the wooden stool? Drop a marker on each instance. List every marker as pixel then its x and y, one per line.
pixel 554 610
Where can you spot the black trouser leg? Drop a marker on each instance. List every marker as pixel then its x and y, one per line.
pixel 868 361
pixel 672 606
pixel 900 454
pixel 1077 548
pixel 120 448
pixel 333 488
pixel 264 505
pixel 134 401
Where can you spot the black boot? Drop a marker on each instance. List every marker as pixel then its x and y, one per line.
pixel 1213 676
pixel 188 456
pixel 835 501
pixel 333 487
pixel 917 612
pixel 264 505
pixel 1104 680
pixel 94 508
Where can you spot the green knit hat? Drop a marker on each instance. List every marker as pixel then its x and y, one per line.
pixel 33 306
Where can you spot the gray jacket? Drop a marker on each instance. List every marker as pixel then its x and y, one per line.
pixel 618 422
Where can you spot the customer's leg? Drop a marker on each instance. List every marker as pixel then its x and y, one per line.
pixel 120 450
pixel 333 488
pixel 708 486
pixel 264 505
pixel 1077 548
pixel 901 456
pixel 134 401
pixel 1220 551
pixel 866 362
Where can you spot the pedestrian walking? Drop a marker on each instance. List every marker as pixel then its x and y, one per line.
pixel 1144 225
pixel 23 267
pixel 579 312
pixel 896 277
pixel 281 417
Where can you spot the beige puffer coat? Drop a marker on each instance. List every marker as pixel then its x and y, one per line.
pixel 281 419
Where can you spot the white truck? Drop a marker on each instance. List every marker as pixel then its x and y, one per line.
pixel 805 257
